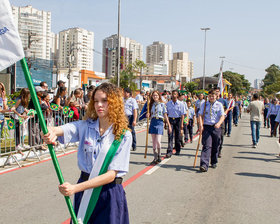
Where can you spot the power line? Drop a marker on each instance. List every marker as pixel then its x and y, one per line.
pixel 245 66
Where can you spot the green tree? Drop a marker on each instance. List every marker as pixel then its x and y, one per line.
pixel 138 67
pixel 127 78
pixel 271 81
pixel 240 85
pixel 190 86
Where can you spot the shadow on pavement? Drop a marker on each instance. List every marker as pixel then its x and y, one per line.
pixel 259 153
pixel 258 175
pixel 277 160
pixel 239 146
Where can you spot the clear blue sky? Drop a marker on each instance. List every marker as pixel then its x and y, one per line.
pixel 246 32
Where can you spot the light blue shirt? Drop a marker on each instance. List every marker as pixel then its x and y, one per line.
pixel 175 110
pixel 158 110
pixel 212 113
pixel 273 110
pixel 277 119
pixel 198 104
pixel 185 105
pixel 130 104
pixel 191 112
pixel 86 132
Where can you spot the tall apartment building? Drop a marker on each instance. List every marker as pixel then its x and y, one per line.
pixel 258 83
pixel 76 47
pixel 158 53
pixel 130 51
pixel 181 67
pixel 55 48
pixel 34 25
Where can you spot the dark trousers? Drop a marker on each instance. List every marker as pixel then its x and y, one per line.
pixel 228 123
pixel 130 121
pixel 188 130
pixel 264 118
pixel 175 125
pixel 17 132
pixel 235 116
pixel 222 137
pixel 211 138
pixel 272 122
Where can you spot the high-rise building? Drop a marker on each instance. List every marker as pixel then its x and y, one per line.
pixel 180 67
pixel 258 83
pixel 130 51
pixel 76 48
pixel 34 27
pixel 55 48
pixel 158 53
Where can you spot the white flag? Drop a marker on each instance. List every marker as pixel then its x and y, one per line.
pixel 11 49
pixel 220 82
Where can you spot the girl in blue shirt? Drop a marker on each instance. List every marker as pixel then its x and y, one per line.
pixel 158 113
pixel 105 122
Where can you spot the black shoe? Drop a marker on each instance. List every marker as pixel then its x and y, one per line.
pixel 228 135
pixel 219 155
pixel 203 169
pixel 214 166
pixel 158 160
pixel 177 153
pixel 168 155
pixel 191 141
pixel 134 149
pixel 182 145
pixel 154 162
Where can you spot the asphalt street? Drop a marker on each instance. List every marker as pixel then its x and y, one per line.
pixel 244 188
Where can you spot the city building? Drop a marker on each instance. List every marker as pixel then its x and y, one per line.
pixel 130 51
pixel 34 27
pixel 180 68
pixel 156 69
pixel 258 84
pixel 158 53
pixel 55 48
pixel 76 48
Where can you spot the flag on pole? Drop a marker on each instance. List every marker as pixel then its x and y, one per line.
pixel 65 110
pixel 220 82
pixel 71 114
pixel 11 103
pixel 54 107
pixel 10 43
pixel 143 112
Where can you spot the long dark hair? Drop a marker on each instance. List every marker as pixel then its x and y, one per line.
pixel 59 91
pixel 25 95
pixel 152 99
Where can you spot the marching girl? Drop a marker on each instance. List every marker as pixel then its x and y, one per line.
pixel 158 113
pixel 105 122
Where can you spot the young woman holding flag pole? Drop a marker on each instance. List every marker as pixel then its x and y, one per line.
pixel 103 157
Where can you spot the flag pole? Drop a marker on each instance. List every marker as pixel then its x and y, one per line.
pixel 45 131
pixel 147 132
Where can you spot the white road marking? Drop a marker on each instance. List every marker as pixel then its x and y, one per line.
pixel 149 172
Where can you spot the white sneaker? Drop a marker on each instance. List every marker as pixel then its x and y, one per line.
pixel 254 146
pixel 19 148
pixel 26 146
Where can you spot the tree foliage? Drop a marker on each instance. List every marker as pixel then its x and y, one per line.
pixel 271 81
pixel 190 86
pixel 240 85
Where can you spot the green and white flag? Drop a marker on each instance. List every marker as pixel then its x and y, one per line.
pixel 100 166
pixel 10 43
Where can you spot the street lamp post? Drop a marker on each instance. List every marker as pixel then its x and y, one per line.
pixel 119 43
pixel 204 29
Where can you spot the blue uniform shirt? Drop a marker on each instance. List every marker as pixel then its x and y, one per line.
pixel 273 110
pixel 198 104
pixel 176 109
pixel 90 144
pixel 277 119
pixel 158 110
pixel 2 106
pixel 130 104
pixel 191 112
pixel 213 112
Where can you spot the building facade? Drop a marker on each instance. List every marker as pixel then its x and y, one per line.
pixel 34 27
pixel 180 67
pixel 76 48
pixel 130 51
pixel 258 83
pixel 158 53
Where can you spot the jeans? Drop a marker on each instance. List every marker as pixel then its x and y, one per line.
pixel 255 131
pixel 235 116
pixel 228 123
pixel 130 121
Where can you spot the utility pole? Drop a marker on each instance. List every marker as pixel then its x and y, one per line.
pixel 119 43
pixel 28 49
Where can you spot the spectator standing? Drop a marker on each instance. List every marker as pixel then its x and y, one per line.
pixel 3 106
pixel 255 109
pixel 130 108
pixel 236 110
pixel 60 83
pixel 20 109
pixel 44 85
